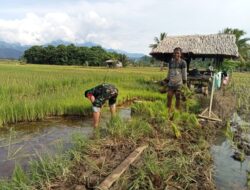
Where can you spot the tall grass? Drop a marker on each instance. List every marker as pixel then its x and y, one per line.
pixel 241 89
pixel 32 92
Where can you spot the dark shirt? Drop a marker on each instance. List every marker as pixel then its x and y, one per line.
pixel 102 93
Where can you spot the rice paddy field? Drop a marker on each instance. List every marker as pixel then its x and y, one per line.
pixel 241 89
pixel 32 92
pixel 178 154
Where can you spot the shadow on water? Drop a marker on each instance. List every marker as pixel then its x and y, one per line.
pixel 19 143
pixel 229 173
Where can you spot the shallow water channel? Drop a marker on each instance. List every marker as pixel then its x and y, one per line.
pixel 229 173
pixel 22 142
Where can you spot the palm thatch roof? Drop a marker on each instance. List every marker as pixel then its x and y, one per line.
pixel 198 46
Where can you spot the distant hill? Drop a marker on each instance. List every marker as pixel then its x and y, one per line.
pixel 134 56
pixel 11 51
pixel 15 50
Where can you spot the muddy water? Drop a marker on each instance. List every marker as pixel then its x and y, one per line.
pixel 229 173
pixel 24 141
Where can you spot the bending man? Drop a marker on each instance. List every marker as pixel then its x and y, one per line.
pixel 177 76
pixel 98 96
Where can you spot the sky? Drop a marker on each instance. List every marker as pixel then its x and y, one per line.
pixel 129 25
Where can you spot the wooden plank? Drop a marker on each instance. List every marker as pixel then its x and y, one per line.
pixel 204 111
pixel 107 183
pixel 210 118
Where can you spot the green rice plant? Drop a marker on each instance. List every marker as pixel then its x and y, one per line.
pixel 138 128
pixel 192 119
pixel 116 127
pixel 192 105
pixel 135 129
pixel 176 130
pixel 150 110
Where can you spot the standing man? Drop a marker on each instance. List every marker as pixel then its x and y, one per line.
pixel 177 76
pixel 98 96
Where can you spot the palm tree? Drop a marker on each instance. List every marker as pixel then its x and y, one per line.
pixel 241 42
pixel 158 40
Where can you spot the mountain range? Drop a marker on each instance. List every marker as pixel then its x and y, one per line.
pixel 16 50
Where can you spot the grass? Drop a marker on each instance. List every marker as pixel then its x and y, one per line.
pixel 241 89
pixel 32 92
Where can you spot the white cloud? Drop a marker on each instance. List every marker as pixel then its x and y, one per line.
pixel 126 24
pixel 39 29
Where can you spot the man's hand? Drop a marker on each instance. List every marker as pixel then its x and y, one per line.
pixel 91 98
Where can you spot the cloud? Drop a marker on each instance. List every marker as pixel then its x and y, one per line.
pixel 123 24
pixel 39 29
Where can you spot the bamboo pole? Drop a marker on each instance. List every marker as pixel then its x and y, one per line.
pixel 211 98
pixel 107 183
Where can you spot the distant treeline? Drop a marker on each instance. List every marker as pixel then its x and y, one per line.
pixel 71 55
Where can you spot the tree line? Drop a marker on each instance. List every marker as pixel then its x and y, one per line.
pixel 71 55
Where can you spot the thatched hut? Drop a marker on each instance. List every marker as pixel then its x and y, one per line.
pixel 113 63
pixel 216 46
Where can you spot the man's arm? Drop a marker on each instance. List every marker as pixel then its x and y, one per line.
pixel 168 74
pixel 184 72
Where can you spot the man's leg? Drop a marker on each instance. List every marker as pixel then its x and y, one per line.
pixel 170 97
pixel 112 105
pixel 96 116
pixel 178 99
pixel 112 110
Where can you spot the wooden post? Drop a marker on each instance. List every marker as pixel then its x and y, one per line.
pixel 211 97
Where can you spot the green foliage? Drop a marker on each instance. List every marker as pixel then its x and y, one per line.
pixel 80 142
pixel 240 87
pixel 158 40
pixel 150 110
pixel 230 65
pixel 241 42
pixel 176 130
pixel 192 105
pixel 70 55
pixel 40 173
pixel 192 119
pixel 134 130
